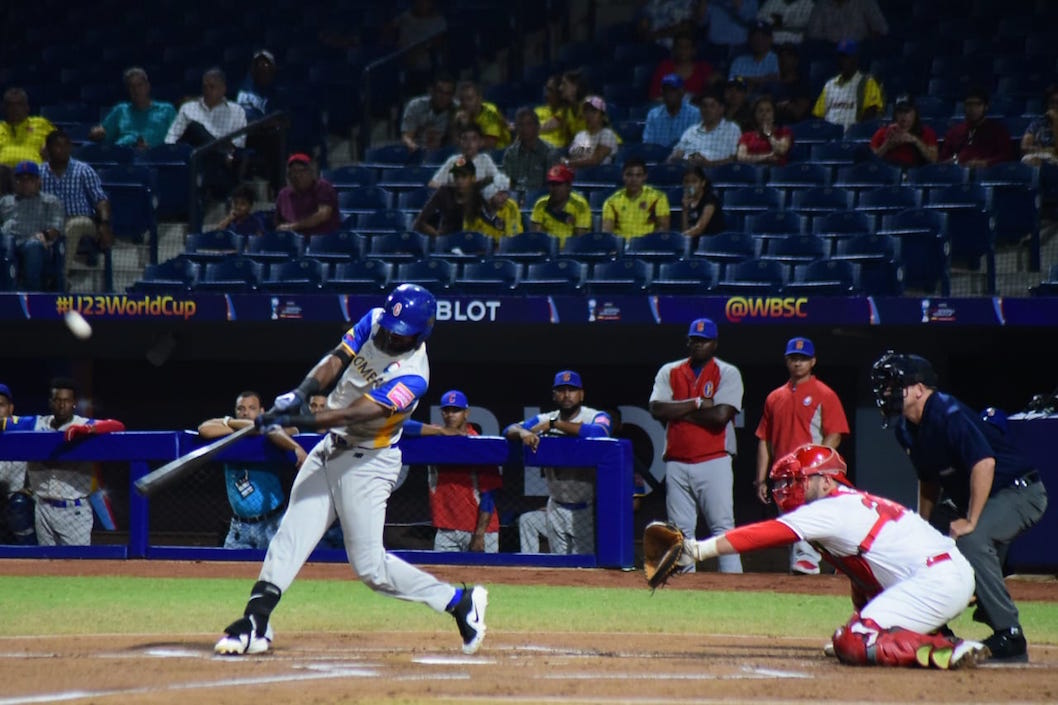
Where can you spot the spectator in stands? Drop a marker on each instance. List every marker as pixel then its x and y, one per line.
pixel 736 103
pixel 712 142
pixel 760 66
pixel 420 22
pixel 597 143
pixel 978 140
pixel 21 134
pixel 729 21
pixel 660 20
pixel 905 142
pixel 1038 145
pixel 427 119
pixel 495 133
pixel 573 88
pixel 470 148
pixel 636 209
pixel 85 202
pixel 456 199
pixel 697 75
pixel 528 158
pixel 852 96
pixel 667 122
pixel 308 204
pixel 789 19
pixel 791 92
pixel 563 212
pixel 141 122
pixel 241 219
pixel 767 142
pixel 552 114
pixel 838 20
pixel 258 86
pixel 702 214
pixel 35 220
pixel 499 215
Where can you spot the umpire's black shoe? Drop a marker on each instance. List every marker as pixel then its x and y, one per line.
pixel 1008 645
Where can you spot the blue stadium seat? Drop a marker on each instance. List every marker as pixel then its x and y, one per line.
pixel 925 247
pixel 685 277
pixel 957 197
pixel 816 130
pixel 664 246
pixel 799 176
pixel 175 275
pixel 63 113
pixel 213 245
pixel 170 164
pixel 382 221
pixel 436 157
pixel 530 245
pixel 878 257
pixel 824 277
pixel 603 176
pixel 973 238
pixel 1008 174
pixel 821 200
pixel 665 174
pixel 647 151
pixel 1017 218
pixel 726 247
pixel 391 154
pixel 368 276
pixel 435 274
pixel 776 222
pixel 132 215
pixel 232 274
pixel 934 175
pixel 868 175
pixel 136 174
pixel 862 132
pixel 463 246
pixel 631 133
pixel 103 155
pixel 494 277
pixel 335 247
pixel 277 246
pixel 753 199
pixel 796 249
pixel 364 199
pixel 303 275
pixel 414 199
pixel 350 176
pixel 557 276
pixel 403 246
pixel 406 177
pixel 593 246
pixel 736 174
pixel 752 276
pixel 843 223
pixel 622 276
pixel 888 199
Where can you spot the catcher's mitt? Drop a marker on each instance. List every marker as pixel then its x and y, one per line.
pixel 662 552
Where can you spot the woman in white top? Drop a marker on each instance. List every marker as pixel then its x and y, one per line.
pixel 597 143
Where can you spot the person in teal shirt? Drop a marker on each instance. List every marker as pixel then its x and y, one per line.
pixel 140 123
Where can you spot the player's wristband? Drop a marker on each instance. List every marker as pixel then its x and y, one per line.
pixel 308 387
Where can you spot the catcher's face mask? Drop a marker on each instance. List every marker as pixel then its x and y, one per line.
pixel 790 473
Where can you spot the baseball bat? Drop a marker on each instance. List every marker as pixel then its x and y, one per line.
pixel 175 469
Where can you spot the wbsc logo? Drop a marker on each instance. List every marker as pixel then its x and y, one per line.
pixel 740 307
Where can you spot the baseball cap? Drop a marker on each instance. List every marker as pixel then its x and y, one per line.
pixel 567 378
pixel 761 26
pixel 903 102
pixel 454 398
pixel 5 391
pixel 299 158
pixel 560 174
pixel 672 80
pixel 462 165
pixel 800 346
pixel 596 102
pixel 848 46
pixel 737 82
pixel 702 328
pixel 266 54
pixel 27 167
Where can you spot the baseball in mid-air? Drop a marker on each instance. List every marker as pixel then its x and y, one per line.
pixel 78 325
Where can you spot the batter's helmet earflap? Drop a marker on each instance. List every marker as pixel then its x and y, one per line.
pixel 790 473
pixel 891 373
pixel 409 310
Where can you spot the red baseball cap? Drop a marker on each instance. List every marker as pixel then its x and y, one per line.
pixel 560 173
pixel 299 158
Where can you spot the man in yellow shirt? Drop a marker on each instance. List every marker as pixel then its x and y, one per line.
pixel 495 132
pixel 563 212
pixel 21 135
pixel 852 96
pixel 637 209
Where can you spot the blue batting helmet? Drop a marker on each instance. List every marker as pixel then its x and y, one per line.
pixel 409 310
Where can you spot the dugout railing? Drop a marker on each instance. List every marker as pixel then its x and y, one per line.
pixel 144 450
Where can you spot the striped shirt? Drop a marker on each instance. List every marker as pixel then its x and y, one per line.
pixel 664 128
pixel 721 142
pixel 79 187
pixel 220 120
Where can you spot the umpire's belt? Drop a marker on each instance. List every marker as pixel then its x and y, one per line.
pixel 573 505
pixel 63 503
pixel 1029 478
pixel 263 517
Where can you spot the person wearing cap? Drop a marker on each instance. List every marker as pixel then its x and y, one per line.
pixel 736 103
pixel 835 20
pixel 35 221
pixel 765 142
pixel 978 140
pixel 257 87
pixel 453 203
pixel 760 66
pixel 308 204
pixel 427 119
pixel 697 398
pixel 684 62
pixel 636 209
pixel 528 158
pixel 495 132
pixel 571 502
pixel 597 143
pixel 906 142
pixel 470 140
pixel 141 122
pixel 21 134
pixel 713 141
pixel 462 497
pixel 667 122
pixel 803 410
pixel 974 484
pixel 499 215
pixel 852 96
pixel 563 212
pixel 789 18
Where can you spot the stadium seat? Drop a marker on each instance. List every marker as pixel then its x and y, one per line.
pixel 824 277
pixel 170 164
pixel 1048 286
pixel 1008 174
pixel 494 276
pixel 925 247
pixel 414 199
pixel 303 275
pixel 665 174
pixel 391 154
pixel 752 276
pixel 593 247
pixel 958 196
pixel 649 152
pixel 837 154
pixel 799 176
pixel 528 246
pixel 888 199
pixel 755 199
pixel 726 247
pixel 382 221
pixel 774 222
pixel 213 245
pixel 350 176
pixel 862 132
pixel 1017 218
pixel 132 215
pixel 278 246
pixel 936 175
pixel 821 200
pixel 685 277
pixel 557 276
pixel 335 247
pixel 136 174
pixel 175 275
pixel 403 178
pixel 463 246
pixel 435 274
pixel 816 130
pixel 601 176
pixel 973 237
pixel 796 249
pixel 368 276
pixel 232 274
pixel 878 257
pixel 736 174
pixel 436 157
pixel 658 246
pixel 404 246
pixel 867 175
pixel 841 225
pixel 363 199
pixel 101 155
pixel 623 276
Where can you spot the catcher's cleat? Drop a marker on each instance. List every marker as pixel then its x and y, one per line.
pixel 243 637
pixel 828 650
pixel 469 614
pixel 964 654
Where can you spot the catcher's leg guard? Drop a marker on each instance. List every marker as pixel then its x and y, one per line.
pixel 862 642
pixel 19 514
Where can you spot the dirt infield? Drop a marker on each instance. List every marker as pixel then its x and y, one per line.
pixel 557 666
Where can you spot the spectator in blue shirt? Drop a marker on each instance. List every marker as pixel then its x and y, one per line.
pixel 667 122
pixel 140 123
pixel 761 65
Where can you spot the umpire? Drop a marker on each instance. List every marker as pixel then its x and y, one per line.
pixel 973 484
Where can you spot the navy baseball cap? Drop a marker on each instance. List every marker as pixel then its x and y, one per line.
pixel 5 391
pixel 800 346
pixel 702 328
pixel 27 168
pixel 567 378
pixel 672 80
pixel 454 398
pixel 849 47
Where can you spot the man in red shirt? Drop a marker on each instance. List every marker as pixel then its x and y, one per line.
pixel 308 205
pixel 804 410
pixel 978 140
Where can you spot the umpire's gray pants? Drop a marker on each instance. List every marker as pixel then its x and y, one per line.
pixel 706 487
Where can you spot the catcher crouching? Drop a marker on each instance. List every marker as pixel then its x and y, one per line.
pixel 908 580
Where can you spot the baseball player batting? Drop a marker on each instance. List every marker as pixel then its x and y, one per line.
pixel 908 579
pixel 379 370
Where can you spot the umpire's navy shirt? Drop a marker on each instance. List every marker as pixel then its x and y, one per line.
pixel 949 440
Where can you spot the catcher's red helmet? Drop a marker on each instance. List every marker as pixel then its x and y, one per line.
pixel 790 473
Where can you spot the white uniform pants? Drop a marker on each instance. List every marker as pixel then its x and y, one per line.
pixel 933 596
pixel 704 487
